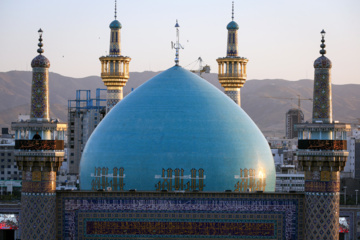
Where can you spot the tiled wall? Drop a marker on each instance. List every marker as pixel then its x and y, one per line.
pixel 155 215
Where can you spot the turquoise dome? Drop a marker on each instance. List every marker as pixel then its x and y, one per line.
pixel 176 120
pixel 232 25
pixel 115 25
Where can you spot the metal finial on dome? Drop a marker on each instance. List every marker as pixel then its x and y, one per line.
pixel 323 51
pixel 177 45
pixel 115 9
pixel 232 15
pixel 40 50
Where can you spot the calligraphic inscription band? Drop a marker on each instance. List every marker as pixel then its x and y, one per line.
pixel 208 228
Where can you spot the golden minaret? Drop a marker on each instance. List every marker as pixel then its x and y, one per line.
pixel 114 67
pixel 232 68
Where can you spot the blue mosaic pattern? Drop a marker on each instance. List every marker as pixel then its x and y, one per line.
pixel 322 102
pixel 115 40
pixel 37 220
pixel 322 216
pixel 322 62
pixel 40 94
pixel 235 96
pixel 157 228
pixel 113 97
pixel 232 42
pixel 40 61
pixel 75 210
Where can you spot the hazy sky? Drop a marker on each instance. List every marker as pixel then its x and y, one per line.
pixel 281 38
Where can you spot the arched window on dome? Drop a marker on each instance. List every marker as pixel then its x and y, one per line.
pixel 112 36
pixel 116 36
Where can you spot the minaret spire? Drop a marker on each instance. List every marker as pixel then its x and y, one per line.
pixel 323 51
pixel 232 15
pixel 115 9
pixel 40 50
pixel 177 45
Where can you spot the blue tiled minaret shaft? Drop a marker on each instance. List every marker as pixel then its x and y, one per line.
pixel 39 153
pixel 322 155
pixel 322 104
pixel 40 86
pixel 232 68
pixel 114 67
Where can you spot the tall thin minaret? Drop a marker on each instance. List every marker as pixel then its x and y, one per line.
pixel 114 67
pixel 39 153
pixel 322 155
pixel 232 68
pixel 322 102
pixel 40 86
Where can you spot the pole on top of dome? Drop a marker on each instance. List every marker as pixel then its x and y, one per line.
pixel 40 50
pixel 232 15
pixel 323 51
pixel 177 45
pixel 115 9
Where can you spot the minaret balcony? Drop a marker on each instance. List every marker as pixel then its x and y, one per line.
pixel 323 145
pixel 228 82
pixel 116 75
pixel 38 145
pixel 232 75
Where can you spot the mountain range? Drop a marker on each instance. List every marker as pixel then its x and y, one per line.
pixel 265 101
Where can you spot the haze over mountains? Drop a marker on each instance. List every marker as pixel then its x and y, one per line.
pixel 263 100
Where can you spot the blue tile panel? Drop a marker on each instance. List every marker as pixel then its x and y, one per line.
pixel 40 93
pixel 235 96
pixel 100 215
pixel 177 120
pixel 322 103
pixel 322 216
pixel 37 220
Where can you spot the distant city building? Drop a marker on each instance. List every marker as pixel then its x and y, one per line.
pixel 288 178
pixel 282 143
pixel 293 116
pixel 8 168
pixel 352 167
pixel 290 182
pixel 84 114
